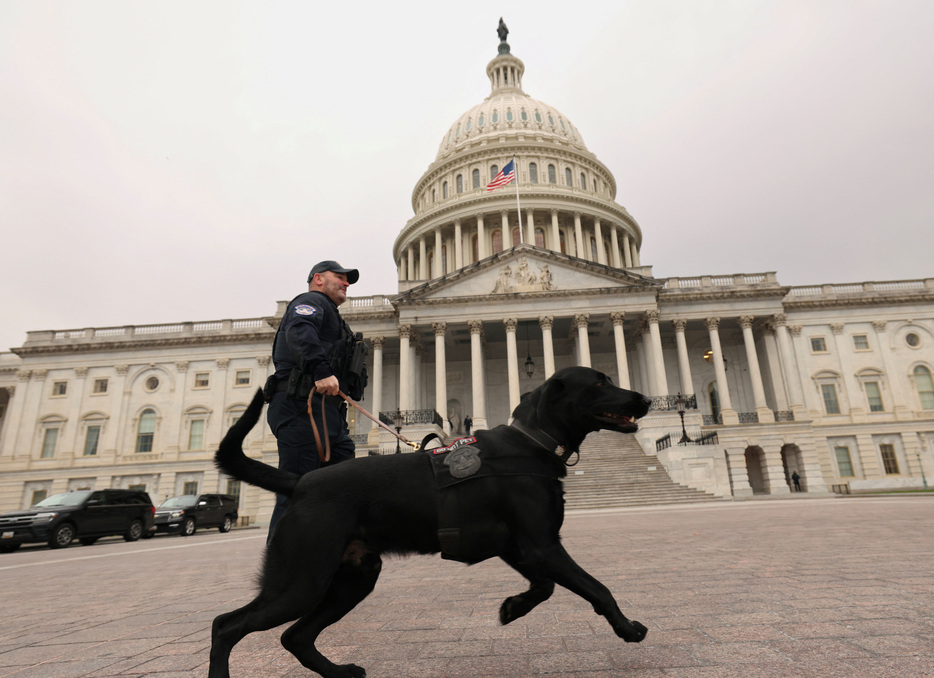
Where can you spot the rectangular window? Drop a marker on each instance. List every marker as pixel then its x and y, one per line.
pixel 818 345
pixel 831 405
pixel 196 435
pixel 202 379
pixel 889 460
pixel 860 342
pixel 233 489
pixel 844 463
pixel 37 496
pixel 59 388
pixel 190 487
pixel 49 438
pixel 243 378
pixel 91 437
pixel 100 386
pixel 874 396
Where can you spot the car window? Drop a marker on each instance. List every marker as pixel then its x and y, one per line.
pixel 183 501
pixel 64 499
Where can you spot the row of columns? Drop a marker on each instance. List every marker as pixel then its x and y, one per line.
pixel 623 253
pixel 651 345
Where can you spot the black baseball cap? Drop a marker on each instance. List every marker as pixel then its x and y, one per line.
pixel 353 275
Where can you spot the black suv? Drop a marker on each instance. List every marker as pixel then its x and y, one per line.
pixel 86 515
pixel 186 513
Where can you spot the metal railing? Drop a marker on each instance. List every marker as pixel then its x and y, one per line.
pixel 670 402
pixel 411 417
pixel 696 438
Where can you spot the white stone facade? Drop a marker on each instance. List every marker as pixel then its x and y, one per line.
pixel 831 381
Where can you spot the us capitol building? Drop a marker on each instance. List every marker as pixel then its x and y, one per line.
pixel 833 382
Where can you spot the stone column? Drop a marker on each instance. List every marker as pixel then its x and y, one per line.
pixel 405 368
pixel 476 372
pixel 789 366
pixel 555 232
pixel 598 236
pixel 402 267
pixel 627 250
pixel 458 246
pixel 74 416
pixel 774 471
pixel 377 390
pixel 723 390
pixel 481 239
pixel 441 376
pixel 504 225
pixel 658 356
pixel 13 422
pixel 635 255
pixel 578 237
pixel 622 364
pixel 530 226
pixel 512 362
pixel 422 259
pixel 739 478
pixel 856 409
pixel 411 263
pixel 614 245
pixel 684 362
pixel 546 322
pixel 766 416
pixel 583 340
pixel 438 264
pixel 896 382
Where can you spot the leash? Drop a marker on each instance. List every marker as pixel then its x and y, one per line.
pixel 324 454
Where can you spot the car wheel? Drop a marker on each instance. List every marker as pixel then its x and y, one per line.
pixel 188 527
pixel 226 525
pixel 134 531
pixel 62 536
pixel 9 548
pixel 88 541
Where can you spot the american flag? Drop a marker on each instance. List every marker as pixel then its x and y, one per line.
pixel 507 174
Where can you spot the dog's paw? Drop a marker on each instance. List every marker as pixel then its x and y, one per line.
pixel 636 633
pixel 348 671
pixel 513 608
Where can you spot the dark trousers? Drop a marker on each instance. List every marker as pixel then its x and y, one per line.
pixel 298 453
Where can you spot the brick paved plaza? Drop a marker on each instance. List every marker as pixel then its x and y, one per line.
pixel 799 587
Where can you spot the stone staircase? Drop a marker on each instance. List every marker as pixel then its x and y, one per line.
pixel 614 472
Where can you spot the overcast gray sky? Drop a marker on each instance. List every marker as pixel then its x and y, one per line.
pixel 173 161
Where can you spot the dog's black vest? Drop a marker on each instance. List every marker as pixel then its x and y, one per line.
pixel 461 535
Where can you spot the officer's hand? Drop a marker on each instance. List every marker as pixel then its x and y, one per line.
pixel 328 386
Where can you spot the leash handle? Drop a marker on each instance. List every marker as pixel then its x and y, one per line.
pixel 324 453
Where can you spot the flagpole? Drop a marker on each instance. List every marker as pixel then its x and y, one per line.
pixel 515 168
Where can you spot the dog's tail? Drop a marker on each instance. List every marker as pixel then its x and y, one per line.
pixel 231 460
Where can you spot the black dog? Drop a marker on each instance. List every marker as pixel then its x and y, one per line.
pixel 497 494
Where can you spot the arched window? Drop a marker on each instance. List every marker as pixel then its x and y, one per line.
pixel 495 117
pixel 567 176
pixel 516 237
pixel 433 196
pixel 925 385
pixel 145 431
pixel 460 183
pixel 476 178
pixel 497 241
pixel 552 176
pixel 583 181
pixel 539 238
pixel 533 173
pixel 494 170
pixel 444 190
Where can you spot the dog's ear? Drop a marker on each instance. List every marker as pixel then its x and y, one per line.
pixel 548 395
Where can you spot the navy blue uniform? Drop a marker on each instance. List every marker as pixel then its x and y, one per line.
pixel 311 328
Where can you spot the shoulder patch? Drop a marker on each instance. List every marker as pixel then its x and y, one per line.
pixel 305 309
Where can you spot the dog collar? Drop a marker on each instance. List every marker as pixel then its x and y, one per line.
pixel 544 440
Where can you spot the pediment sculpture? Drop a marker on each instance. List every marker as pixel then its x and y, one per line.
pixel 524 279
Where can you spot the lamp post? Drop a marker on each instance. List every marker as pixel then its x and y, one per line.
pixel 398 420
pixel 921 466
pixel 684 433
pixel 529 363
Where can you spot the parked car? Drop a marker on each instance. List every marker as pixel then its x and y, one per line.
pixel 186 513
pixel 85 515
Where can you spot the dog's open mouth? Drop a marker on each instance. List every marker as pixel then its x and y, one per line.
pixel 618 421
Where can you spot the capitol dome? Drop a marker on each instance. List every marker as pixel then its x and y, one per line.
pixel 508 110
pixel 567 195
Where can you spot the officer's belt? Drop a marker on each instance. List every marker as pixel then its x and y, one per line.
pixel 283 385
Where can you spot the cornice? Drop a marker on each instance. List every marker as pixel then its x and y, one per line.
pixel 521 296
pixel 722 293
pixel 139 344
pixel 855 301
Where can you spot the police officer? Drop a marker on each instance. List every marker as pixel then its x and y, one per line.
pixel 314 352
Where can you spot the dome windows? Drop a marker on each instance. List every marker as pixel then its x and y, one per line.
pixel 524 116
pixel 457 132
pixel 551 121
pixel 444 190
pixel 494 170
pixel 567 177
pixel 467 128
pixel 509 115
pixel 538 117
pixel 533 173
pixel 460 183
pixel 495 117
pixel 552 175
pixel 480 121
pixel 583 181
pixel 475 177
